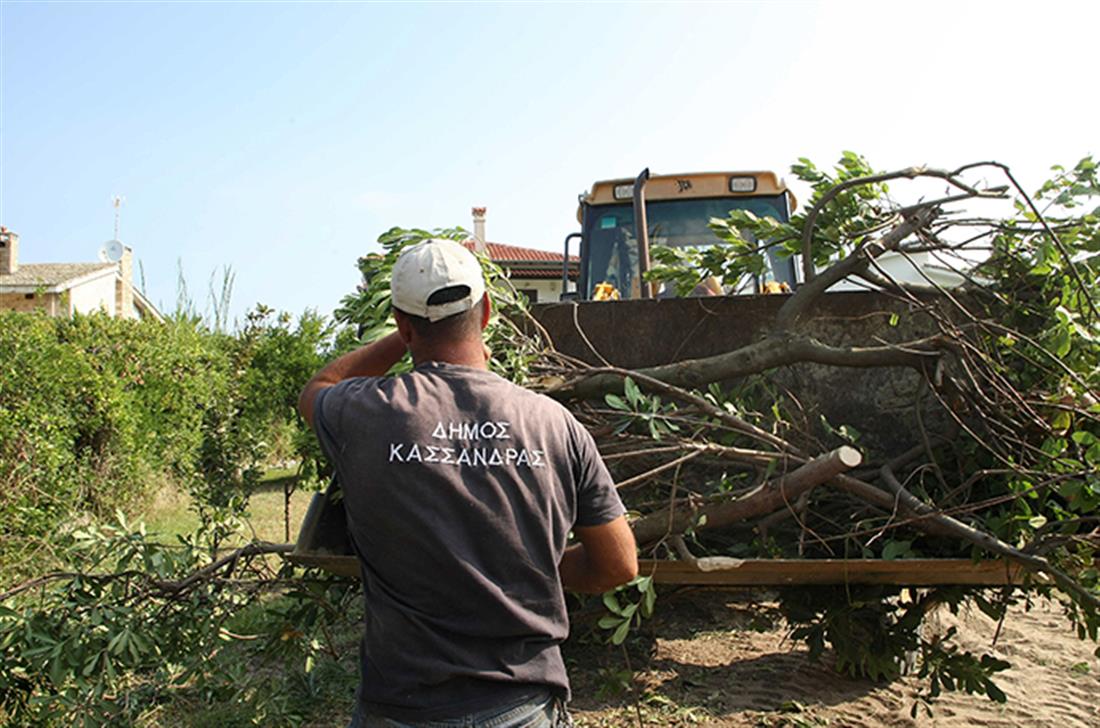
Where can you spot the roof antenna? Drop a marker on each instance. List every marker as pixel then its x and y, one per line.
pixel 111 251
pixel 117 201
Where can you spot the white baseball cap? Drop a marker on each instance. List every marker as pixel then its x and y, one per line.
pixel 431 266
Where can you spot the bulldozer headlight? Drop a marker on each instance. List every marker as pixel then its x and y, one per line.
pixel 624 192
pixel 742 184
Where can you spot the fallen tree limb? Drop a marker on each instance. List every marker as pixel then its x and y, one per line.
pixel 228 562
pixel 911 505
pixel 855 263
pixel 641 478
pixel 767 498
pixel 952 177
pixel 776 350
pixel 926 518
pixel 616 375
pixel 162 586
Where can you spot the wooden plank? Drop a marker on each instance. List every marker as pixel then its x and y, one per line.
pixel 338 565
pixel 721 571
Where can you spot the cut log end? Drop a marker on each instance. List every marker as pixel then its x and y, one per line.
pixel 848 456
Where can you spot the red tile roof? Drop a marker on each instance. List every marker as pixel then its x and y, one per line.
pixel 501 253
pixel 546 273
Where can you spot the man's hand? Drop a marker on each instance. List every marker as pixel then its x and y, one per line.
pixel 372 360
pixel 605 558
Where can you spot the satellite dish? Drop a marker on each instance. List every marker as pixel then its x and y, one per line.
pixel 111 252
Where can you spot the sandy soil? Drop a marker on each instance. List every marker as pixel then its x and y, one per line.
pixel 721 660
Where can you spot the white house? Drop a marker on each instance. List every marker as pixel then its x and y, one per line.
pixel 920 268
pixel 535 273
pixel 62 289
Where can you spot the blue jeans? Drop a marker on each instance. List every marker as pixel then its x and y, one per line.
pixel 541 711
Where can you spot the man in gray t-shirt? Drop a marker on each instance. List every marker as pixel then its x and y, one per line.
pixel 460 490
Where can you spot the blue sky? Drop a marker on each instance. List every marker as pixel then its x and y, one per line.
pixel 282 138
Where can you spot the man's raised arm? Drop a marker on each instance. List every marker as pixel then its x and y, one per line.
pixel 372 360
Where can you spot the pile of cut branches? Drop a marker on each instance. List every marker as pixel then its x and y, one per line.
pixel 722 455
pixel 992 452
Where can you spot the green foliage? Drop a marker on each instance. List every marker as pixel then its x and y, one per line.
pixel 128 626
pixel 369 306
pixel 508 335
pixel 282 355
pixel 947 668
pixel 94 408
pixel 89 407
pixel 874 634
pixel 627 606
pixel 1048 286
pixel 1044 276
pixel 644 410
pixel 861 624
pixel 848 219
pixel 843 225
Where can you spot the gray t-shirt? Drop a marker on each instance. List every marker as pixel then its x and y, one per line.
pixel 460 489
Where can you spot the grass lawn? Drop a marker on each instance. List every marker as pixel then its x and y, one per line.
pixel 170 512
pixel 272 688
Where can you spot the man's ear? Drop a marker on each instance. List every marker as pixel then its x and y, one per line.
pixel 404 327
pixel 486 310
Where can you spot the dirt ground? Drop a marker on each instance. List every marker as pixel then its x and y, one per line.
pixel 722 660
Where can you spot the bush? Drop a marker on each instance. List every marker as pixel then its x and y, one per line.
pixel 133 629
pixel 91 406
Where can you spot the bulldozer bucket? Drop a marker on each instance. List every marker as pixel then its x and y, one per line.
pixel 323 540
pixel 648 332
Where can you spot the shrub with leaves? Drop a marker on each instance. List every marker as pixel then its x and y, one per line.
pixel 508 335
pixel 94 408
pixel 131 622
pixel 91 407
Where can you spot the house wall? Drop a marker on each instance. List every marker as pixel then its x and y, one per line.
pixel 93 295
pixel 919 268
pixel 549 290
pixel 51 302
pixel 20 302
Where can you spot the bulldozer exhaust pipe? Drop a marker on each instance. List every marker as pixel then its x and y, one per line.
pixel 565 263
pixel 641 230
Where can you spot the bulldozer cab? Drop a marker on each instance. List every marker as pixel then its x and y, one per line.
pixel 677 211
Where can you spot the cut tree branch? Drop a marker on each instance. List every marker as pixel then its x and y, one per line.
pixel 767 498
pixel 164 587
pixel 798 304
pixel 612 377
pixel 808 273
pixel 776 350
pixel 911 505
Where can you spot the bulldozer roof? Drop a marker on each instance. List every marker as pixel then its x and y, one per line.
pixel 689 185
